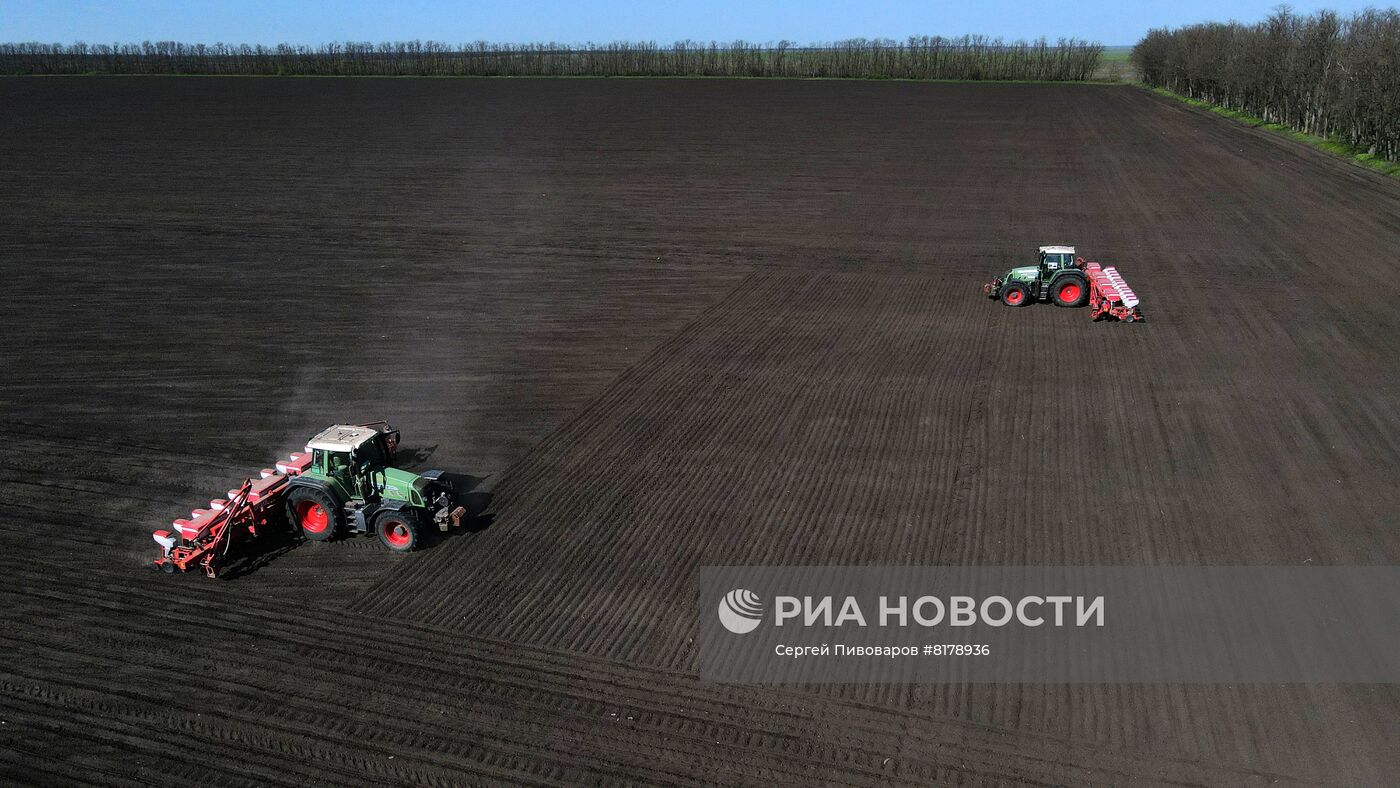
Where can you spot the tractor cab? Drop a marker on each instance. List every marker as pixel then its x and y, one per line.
pixel 1054 259
pixel 372 443
pixel 351 453
pixel 333 449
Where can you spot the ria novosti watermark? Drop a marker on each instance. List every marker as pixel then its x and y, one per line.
pixel 1050 624
pixel 741 611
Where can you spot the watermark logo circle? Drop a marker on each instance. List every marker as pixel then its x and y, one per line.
pixel 740 611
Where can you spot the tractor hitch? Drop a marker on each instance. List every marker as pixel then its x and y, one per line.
pixel 447 520
pixel 448 515
pixel 448 512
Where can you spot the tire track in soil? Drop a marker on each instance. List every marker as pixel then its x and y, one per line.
pixel 307 722
pixel 971 522
pixel 1252 421
pixel 662 430
pixel 818 324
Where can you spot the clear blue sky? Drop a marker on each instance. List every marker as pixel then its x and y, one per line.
pixel 804 21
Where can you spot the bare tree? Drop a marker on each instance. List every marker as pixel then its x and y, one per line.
pixel 1321 74
pixel 918 57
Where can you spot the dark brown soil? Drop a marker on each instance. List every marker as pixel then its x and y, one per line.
pixel 666 324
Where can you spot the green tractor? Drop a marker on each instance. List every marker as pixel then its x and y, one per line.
pixel 1058 277
pixel 350 485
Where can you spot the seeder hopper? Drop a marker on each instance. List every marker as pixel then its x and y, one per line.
pixel 206 537
pixel 1110 298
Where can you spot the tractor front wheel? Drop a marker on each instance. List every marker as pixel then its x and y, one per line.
pixel 313 513
pixel 398 530
pixel 1015 294
pixel 1071 292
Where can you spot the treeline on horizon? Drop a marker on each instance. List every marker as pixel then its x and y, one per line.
pixel 1321 74
pixel 920 57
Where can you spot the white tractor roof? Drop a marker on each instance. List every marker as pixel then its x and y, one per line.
pixel 342 437
pixel 1057 249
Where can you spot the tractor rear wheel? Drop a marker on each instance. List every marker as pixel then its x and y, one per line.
pixel 1015 294
pixel 1070 291
pixel 314 513
pixel 399 530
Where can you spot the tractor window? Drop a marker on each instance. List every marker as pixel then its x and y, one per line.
pixel 337 462
pixel 371 453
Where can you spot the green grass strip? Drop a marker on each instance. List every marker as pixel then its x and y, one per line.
pixel 934 80
pixel 1333 146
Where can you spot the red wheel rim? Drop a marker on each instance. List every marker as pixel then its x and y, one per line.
pixel 396 533
pixel 1070 293
pixel 1014 297
pixel 313 517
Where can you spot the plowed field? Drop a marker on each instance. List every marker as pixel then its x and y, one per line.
pixel 662 324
